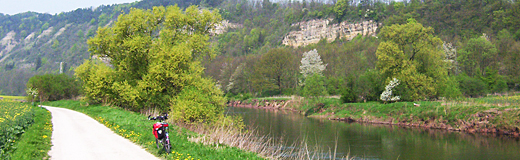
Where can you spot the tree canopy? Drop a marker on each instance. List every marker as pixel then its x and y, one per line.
pixel 410 53
pixel 155 57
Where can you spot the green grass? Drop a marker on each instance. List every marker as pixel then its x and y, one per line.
pixel 15 117
pixel 36 141
pixel 138 129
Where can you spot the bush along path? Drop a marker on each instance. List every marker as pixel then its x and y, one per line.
pixel 138 129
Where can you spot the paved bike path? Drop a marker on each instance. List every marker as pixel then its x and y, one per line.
pixel 77 136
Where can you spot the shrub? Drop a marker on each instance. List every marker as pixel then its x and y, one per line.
pixel 53 87
pixel 349 96
pixel 472 87
pixel 452 91
pixel 314 86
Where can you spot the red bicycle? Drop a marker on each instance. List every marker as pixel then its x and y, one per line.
pixel 160 131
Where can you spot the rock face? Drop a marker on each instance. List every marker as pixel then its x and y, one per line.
pixel 314 30
pixel 223 26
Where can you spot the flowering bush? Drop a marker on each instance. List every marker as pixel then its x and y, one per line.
pixel 387 94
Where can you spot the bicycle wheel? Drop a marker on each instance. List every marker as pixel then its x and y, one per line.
pixel 157 143
pixel 167 145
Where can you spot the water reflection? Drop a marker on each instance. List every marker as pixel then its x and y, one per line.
pixel 369 141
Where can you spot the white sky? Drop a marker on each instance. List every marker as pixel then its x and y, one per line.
pixel 13 7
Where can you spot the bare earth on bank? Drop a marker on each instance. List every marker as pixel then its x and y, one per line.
pixel 77 136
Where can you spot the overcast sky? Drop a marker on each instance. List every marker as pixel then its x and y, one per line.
pixel 12 7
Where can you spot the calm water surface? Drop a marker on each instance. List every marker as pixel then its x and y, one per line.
pixel 368 141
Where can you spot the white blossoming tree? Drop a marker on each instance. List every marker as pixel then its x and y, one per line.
pixel 387 94
pixel 311 63
pixel 311 68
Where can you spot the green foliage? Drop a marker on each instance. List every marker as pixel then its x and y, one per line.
pixel 95 77
pixel 194 105
pixel 53 87
pixel 334 85
pixel 276 66
pixel 370 85
pixel 314 86
pixel 410 53
pixel 472 87
pixel 494 81
pixel 153 66
pixel 451 91
pixel 15 117
pixel 349 96
pixel 476 55
pixel 340 9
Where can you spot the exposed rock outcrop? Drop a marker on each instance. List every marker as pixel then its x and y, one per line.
pixel 224 25
pixel 314 30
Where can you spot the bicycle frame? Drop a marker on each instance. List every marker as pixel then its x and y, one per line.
pixel 165 141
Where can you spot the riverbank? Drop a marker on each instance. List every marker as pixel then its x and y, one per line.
pixel 498 115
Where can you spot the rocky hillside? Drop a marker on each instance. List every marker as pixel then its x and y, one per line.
pixel 313 31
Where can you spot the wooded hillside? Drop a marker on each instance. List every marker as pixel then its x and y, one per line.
pixel 34 43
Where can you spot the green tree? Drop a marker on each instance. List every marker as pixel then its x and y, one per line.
pixel 156 57
pixel 277 66
pixel 340 9
pixel 476 55
pixel 410 53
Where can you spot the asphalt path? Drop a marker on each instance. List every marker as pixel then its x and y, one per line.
pixel 77 136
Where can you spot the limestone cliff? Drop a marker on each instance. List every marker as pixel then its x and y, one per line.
pixel 314 30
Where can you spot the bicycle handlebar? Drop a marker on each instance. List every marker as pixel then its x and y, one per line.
pixel 160 118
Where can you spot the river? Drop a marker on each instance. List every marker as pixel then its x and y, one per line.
pixel 369 141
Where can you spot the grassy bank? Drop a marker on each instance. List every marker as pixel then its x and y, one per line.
pixel 489 115
pixel 137 128
pixel 25 131
pixel 36 141
pixel 492 114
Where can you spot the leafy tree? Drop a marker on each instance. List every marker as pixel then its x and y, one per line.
pixel 340 9
pixel 476 56
pixel 156 57
pixel 411 53
pixel 276 66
